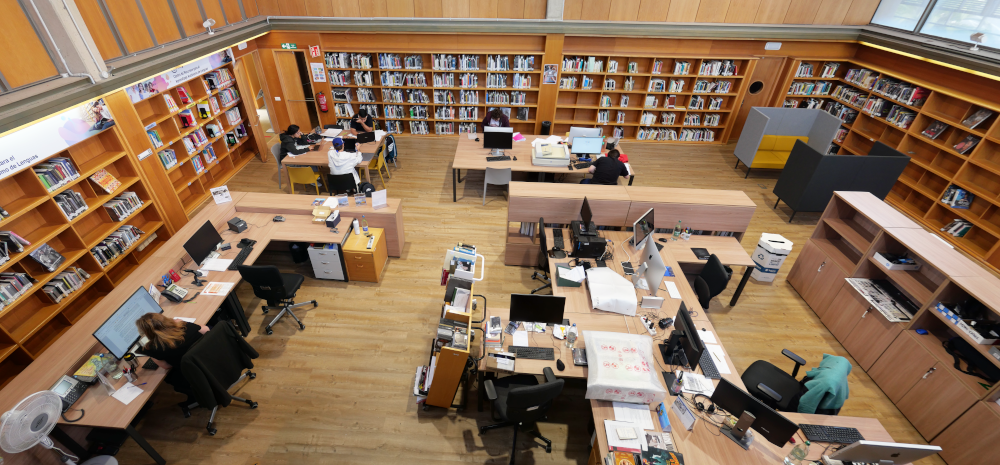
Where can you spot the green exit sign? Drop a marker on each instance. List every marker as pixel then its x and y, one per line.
pixel 288 46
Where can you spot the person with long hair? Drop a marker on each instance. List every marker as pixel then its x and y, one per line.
pixel 291 140
pixel 497 119
pixel 168 341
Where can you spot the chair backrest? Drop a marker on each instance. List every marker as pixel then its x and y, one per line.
pixel 715 275
pixel 343 182
pixel 215 362
pixel 378 161
pixel 265 280
pixel 497 175
pixel 704 294
pixel 543 252
pixel 390 143
pixel 302 175
pixel 531 403
pixel 276 151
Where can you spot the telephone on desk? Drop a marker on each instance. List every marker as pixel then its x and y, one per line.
pixel 174 293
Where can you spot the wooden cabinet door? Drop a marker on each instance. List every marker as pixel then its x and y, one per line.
pixel 804 270
pixel 901 366
pixel 973 438
pixel 870 337
pixel 845 311
pixel 935 401
pixel 827 284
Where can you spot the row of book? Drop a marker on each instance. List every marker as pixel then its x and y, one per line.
pixel 682 67
pixel 900 91
pixel 371 109
pixel 394 127
pixel 462 113
pixel 186 118
pixel 154 138
pixel 718 68
pixel 116 244
pixel 340 78
pixel 656 134
pixel 168 100
pixel 363 78
pixel 840 135
pixel 580 64
pixel 348 60
pixel 71 203
pixel 504 63
pixel 419 127
pixel 504 98
pixel 452 333
pixel 168 158
pixel 444 97
pixel 124 205
pixel 418 112
pixel 393 61
pixel 364 95
pixel 844 112
pixel 900 117
pixel 398 79
pixel 209 155
pixel 396 95
pixel 958 198
pixel 862 77
pixel 696 135
pixel 65 283
pixel 850 95
pixel 12 285
pixel 957 228
pixel 697 102
pixel 648 455
pixel 212 130
pixel 810 88
pixel 449 62
pixel 49 258
pixel 233 116
pixel 198 164
pixel 194 140
pixel 218 79
pixel 444 128
pixel 56 172
pixel 467 128
pixel 229 96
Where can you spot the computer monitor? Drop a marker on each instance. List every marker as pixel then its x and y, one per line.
pixel 642 229
pixel 498 139
pixel 587 145
pixel 582 132
pixel 684 347
pixel 883 452
pixel 202 243
pixel 651 268
pixel 366 137
pixel 752 413
pixel 537 308
pixel 119 332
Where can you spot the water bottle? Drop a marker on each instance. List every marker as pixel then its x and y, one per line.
pixel 677 230
pixel 798 454
pixel 571 337
pixel 364 224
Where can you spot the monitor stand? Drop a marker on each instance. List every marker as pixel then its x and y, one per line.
pixel 740 433
pixel 496 152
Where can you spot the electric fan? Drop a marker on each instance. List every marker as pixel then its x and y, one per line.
pixel 30 423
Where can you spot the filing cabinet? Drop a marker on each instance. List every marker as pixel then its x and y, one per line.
pixel 327 263
pixel 362 263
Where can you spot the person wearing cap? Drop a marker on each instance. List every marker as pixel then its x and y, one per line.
pixel 362 122
pixel 342 162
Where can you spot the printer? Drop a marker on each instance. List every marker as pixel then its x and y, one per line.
pixel 544 154
pixel 586 242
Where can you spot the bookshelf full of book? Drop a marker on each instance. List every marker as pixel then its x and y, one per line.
pixel 651 98
pixel 433 93
pixel 199 133
pixel 73 226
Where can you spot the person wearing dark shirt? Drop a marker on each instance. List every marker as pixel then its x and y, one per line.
pixel 606 170
pixel 496 119
pixel 169 340
pixel 362 122
pixel 290 139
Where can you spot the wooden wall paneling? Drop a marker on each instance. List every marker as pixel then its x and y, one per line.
pixel 428 9
pixel 99 29
pixel 346 8
pixel 268 7
pixel 191 16
pixel 399 8
pixel 484 8
pixel 131 27
pixel 510 9
pixel 596 10
pixel 214 10
pixel 533 9
pixel 161 20
pixel 547 93
pixel 250 7
pixel 800 12
pixel 861 12
pixel 624 10
pixel 654 10
pixel 832 11
pixel 232 9
pixel 292 7
pixel 712 11
pixel 417 43
pixel 24 59
pixel 321 8
pixel 772 11
pixel 683 11
pixel 572 9
pixel 373 8
pixel 742 11
pixel 456 8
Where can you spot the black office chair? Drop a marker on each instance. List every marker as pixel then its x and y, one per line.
pixel 520 399
pixel 541 273
pixel 277 289
pixel 779 390
pixel 712 280
pixel 215 364
pixel 341 183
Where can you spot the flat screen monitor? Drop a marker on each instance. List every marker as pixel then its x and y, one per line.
pixel 585 214
pixel 350 145
pixel 874 451
pixel 366 137
pixel 202 243
pixel 685 345
pixel 537 308
pixel 642 229
pixel 651 267
pixel 582 132
pixel 772 425
pixel 587 145
pixel 119 332
pixel 498 138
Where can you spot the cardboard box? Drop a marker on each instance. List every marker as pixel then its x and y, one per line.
pixel 895 266
pixel 770 254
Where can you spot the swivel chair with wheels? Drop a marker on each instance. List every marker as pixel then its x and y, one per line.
pixel 520 399
pixel 543 259
pixel 341 183
pixel 712 280
pixel 213 365
pixel 277 289
pixel 822 390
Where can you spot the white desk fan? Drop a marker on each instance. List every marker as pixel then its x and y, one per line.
pixel 30 423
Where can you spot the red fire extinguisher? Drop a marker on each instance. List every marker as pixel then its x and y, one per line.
pixel 321 100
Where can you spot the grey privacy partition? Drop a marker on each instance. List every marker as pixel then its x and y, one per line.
pixel 818 125
pixel 810 177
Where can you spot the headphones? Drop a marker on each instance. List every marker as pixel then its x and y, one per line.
pixel 701 405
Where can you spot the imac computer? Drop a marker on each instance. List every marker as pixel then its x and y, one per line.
pixel 119 333
pixel 642 229
pixel 202 244
pixel 751 413
pixel 652 269
pixel 575 132
pixel 498 139
pixel 537 308
pixel 883 453
pixel 587 145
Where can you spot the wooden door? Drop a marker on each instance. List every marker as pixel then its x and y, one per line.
pixel 768 73
pixel 848 309
pixel 827 284
pixel 973 438
pixel 806 265
pixel 871 337
pixel 935 401
pixel 901 366
pixel 244 67
pixel 292 87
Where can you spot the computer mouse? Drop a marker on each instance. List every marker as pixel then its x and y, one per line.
pixel 560 365
pixel 515 157
pixel 477 139
pixel 279 218
pixel 662 239
pixel 666 323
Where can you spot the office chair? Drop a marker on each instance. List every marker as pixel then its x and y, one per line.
pixel 213 365
pixel 304 175
pixel 520 399
pixel 341 182
pixel 712 280
pixel 541 273
pixel 822 390
pixel 495 176
pixel 277 289
pixel 377 163
pixel 276 151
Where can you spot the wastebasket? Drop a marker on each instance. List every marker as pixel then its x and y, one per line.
pixel 300 252
pixel 546 127
pixel 771 252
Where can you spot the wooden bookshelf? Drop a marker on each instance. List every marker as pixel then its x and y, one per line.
pixel 32 322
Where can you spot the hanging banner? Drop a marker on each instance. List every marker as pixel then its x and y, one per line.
pixel 155 85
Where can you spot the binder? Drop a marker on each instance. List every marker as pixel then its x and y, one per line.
pixel 564 282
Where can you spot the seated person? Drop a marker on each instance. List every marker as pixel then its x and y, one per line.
pixel 291 140
pixel 169 340
pixel 496 119
pixel 343 162
pixel 606 170
pixel 362 122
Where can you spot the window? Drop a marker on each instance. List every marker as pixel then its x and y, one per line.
pixel 900 14
pixel 958 19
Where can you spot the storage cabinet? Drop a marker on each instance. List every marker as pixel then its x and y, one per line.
pixel 848 309
pixel 972 439
pixel 870 337
pixel 902 365
pixel 327 263
pixel 362 263
pixel 817 278
pixel 936 400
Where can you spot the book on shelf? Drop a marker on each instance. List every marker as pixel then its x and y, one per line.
pixel 966 144
pixel 199 166
pixel 12 286
pixel 14 242
pixel 187 119
pixel 168 158
pixel 805 70
pixel 116 244
pixel 105 180
pixel 122 206
pixel 154 137
pixel 231 139
pixel 209 154
pixel 65 283
pixel 56 172
pixel 956 197
pixel 934 129
pixel 4 213
pixel 49 258
pixel 957 227
pixel 171 104
pixel 182 94
pixel 71 203
pixel 204 111
pixel 976 118
pixel 829 70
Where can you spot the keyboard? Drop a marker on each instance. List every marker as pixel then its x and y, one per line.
pixel 500 158
pixel 533 353
pixel 557 238
pixel 150 364
pixel 583 165
pixel 837 434
pixel 708 365
pixel 241 257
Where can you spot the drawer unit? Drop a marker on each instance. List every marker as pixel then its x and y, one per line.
pixel 327 263
pixel 365 264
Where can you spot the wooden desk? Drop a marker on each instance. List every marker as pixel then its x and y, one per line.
pixel 319 157
pixel 727 248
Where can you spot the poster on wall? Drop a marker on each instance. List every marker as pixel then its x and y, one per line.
pixel 155 85
pixel 314 51
pixel 549 74
pixel 319 74
pixel 52 135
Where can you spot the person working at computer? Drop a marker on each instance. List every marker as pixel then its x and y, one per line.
pixel 606 170
pixel 496 119
pixel 169 340
pixel 362 122
pixel 342 162
pixel 291 141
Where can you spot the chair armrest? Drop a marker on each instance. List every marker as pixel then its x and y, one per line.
pixel 769 392
pixel 550 377
pixel 799 361
pixel 491 392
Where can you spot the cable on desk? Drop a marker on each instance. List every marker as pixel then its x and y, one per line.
pixel 484 310
pixel 622 246
pixel 82 413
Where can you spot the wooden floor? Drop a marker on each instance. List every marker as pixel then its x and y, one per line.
pixel 339 391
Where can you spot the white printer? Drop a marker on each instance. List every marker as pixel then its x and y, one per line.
pixel 550 155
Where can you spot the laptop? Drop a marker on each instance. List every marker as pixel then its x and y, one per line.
pixel 366 137
pixel 350 145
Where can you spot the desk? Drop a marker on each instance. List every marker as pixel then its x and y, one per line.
pixel 470 155
pixel 727 248
pixel 319 157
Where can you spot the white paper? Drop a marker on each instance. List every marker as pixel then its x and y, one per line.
pixel 379 199
pixel 697 384
pixel 610 292
pixel 559 331
pixel 719 357
pixel 379 135
pixel 672 289
pixel 189 320
pixel 330 202
pixel 707 337
pixel 472 136
pixel 318 73
pixel 551 140
pixel 332 132
pixel 634 413
pixel 215 288
pixel 221 195
pixel 154 293
pixel 611 428
pixel 574 274
pixel 127 393
pixel 217 264
pixel 520 338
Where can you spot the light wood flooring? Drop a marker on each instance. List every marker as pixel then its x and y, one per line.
pixel 339 391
